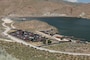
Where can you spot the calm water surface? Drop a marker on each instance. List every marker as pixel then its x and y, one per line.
pixel 76 27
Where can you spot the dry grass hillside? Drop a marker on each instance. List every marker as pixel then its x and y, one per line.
pixel 39 7
pixel 5 56
pixel 23 52
pixel 71 47
pixel 34 25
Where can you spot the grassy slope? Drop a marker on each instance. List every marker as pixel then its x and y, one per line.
pixel 71 47
pixel 5 56
pixel 23 52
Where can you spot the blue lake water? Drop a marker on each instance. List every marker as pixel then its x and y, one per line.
pixel 68 26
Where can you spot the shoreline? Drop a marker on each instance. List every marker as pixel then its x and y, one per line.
pixel 7 28
pixel 37 18
pixel 20 16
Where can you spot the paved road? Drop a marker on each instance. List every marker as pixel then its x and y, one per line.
pixel 40 48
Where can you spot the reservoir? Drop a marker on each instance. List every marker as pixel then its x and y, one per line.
pixel 68 26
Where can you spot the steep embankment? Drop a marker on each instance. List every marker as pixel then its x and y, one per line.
pixel 35 8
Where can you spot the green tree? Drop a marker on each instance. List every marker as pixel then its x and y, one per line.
pixel 49 41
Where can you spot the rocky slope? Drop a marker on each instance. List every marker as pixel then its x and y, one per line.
pixel 43 7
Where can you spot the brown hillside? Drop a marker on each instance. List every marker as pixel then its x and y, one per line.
pixel 39 7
